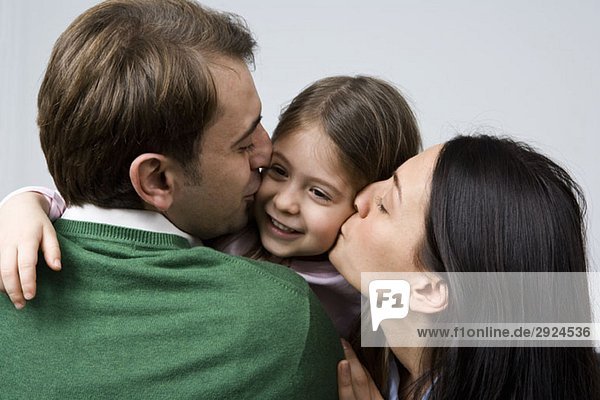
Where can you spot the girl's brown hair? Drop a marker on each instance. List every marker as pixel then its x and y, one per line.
pixel 368 120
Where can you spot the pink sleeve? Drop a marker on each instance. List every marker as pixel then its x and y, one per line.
pixel 237 244
pixel 55 200
pixel 341 301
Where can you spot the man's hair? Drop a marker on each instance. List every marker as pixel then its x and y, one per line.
pixel 129 77
pixel 370 123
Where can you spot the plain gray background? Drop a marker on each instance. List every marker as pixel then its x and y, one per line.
pixel 525 69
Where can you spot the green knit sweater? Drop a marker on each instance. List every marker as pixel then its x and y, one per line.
pixel 141 315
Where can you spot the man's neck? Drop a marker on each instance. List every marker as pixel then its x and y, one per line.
pixel 145 220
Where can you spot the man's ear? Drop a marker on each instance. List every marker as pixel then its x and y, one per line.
pixel 429 294
pixel 153 177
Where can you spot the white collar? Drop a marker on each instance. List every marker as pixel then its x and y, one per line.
pixel 129 218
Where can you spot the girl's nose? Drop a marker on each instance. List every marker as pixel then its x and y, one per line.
pixel 286 201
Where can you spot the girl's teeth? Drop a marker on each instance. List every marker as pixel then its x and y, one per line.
pixel 282 227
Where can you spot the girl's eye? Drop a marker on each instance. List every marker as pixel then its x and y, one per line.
pixel 320 194
pixel 380 207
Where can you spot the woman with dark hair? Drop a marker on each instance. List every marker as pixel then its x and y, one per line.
pixel 474 204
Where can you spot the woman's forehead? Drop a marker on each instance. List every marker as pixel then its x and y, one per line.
pixel 422 162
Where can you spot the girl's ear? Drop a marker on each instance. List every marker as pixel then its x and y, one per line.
pixel 429 294
pixel 154 178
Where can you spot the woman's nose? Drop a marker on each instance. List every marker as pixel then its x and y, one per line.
pixel 286 201
pixel 362 201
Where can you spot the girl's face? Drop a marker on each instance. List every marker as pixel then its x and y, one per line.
pixel 305 195
pixel 386 232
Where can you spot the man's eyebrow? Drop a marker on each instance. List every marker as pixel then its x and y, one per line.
pixel 397 184
pixel 249 131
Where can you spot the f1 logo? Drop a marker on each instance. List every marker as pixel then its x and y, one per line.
pixel 389 299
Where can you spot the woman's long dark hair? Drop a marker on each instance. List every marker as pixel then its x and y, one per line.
pixel 498 206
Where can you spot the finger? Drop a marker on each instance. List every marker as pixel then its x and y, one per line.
pixel 10 276
pixel 51 248
pixel 348 351
pixel 27 262
pixel 345 391
pixel 356 368
pixel 361 380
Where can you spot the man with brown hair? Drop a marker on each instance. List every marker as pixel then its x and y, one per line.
pixel 150 124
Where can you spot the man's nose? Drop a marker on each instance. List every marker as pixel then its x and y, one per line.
pixel 261 156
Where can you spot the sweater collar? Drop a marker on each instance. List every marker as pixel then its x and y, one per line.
pixel 128 218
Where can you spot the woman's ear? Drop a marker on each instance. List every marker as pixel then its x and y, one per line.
pixel 153 177
pixel 429 294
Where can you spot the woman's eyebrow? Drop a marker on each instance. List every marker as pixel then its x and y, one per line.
pixel 397 184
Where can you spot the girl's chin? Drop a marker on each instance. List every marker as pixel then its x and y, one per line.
pixel 276 249
pixel 281 251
